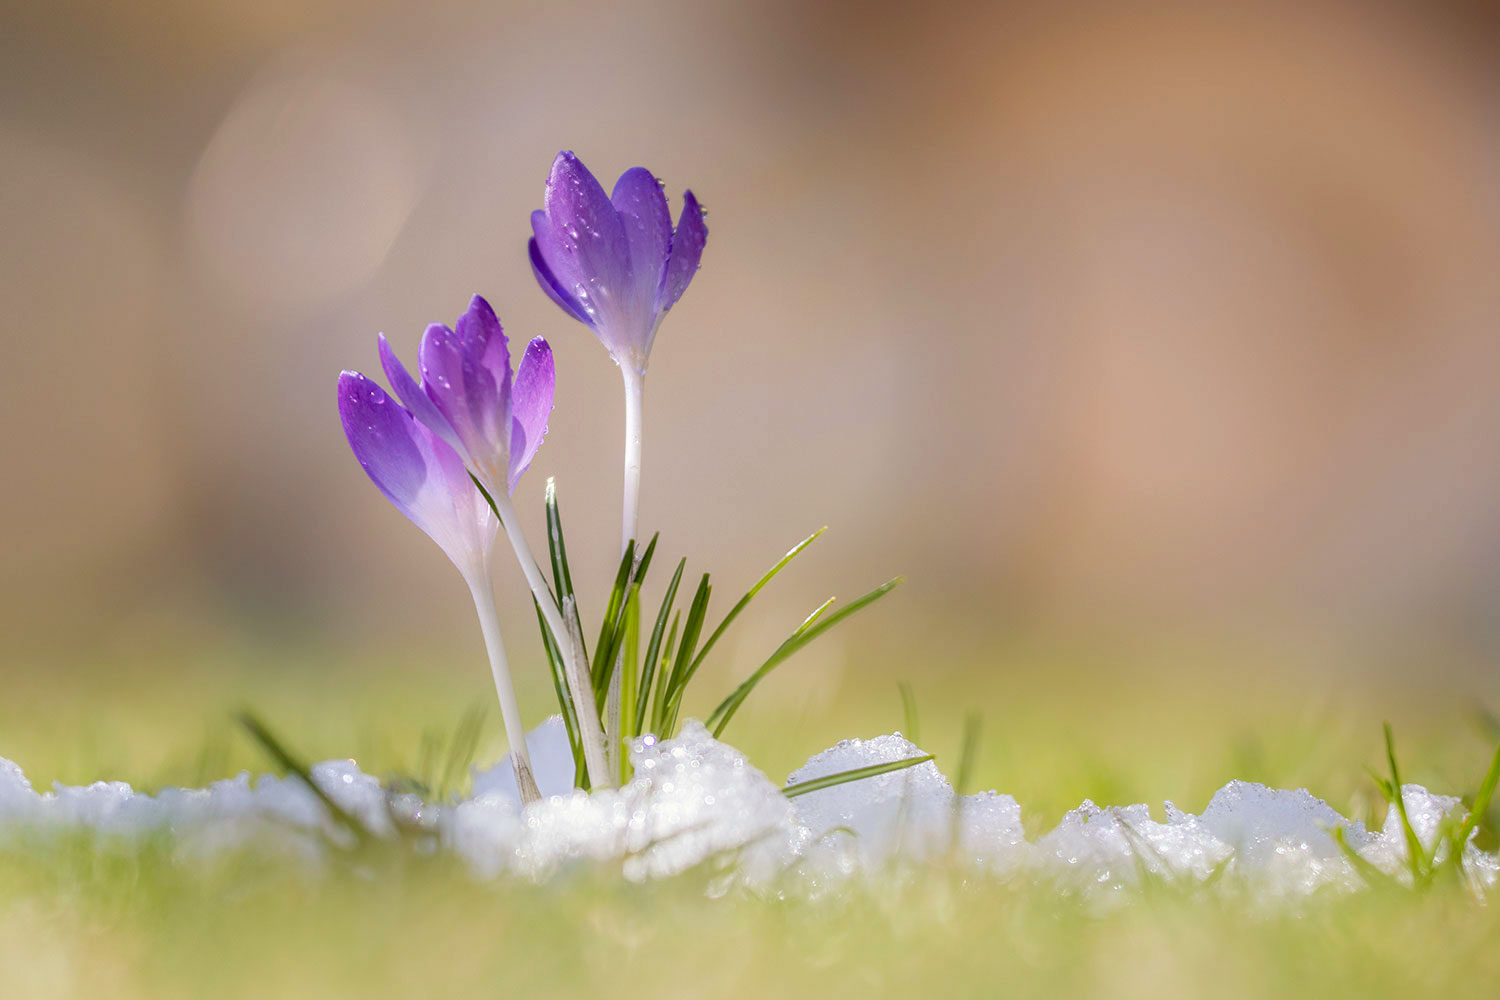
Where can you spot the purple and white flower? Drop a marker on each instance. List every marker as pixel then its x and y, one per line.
pixel 418 460
pixel 614 263
pixel 419 473
pixel 494 421
pixel 469 398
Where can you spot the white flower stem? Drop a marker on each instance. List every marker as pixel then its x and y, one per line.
pixel 635 391
pixel 510 711
pixel 580 686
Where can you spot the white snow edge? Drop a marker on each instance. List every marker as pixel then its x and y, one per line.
pixel 695 800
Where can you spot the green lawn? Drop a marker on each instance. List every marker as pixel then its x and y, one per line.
pixel 84 919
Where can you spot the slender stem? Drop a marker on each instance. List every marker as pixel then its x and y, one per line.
pixel 579 684
pixel 510 711
pixel 635 391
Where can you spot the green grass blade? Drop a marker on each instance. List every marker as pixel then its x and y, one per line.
pixel 682 669
pixel 966 758
pixel 564 698
pixel 969 755
pixel 653 648
pixel 638 573
pixel 629 660
pixel 817 613
pixel 487 498
pixel 658 701
pixel 908 712
pixel 461 750
pixel 1479 808
pixel 806 633
pixel 562 577
pixel 743 602
pixel 632 573
pixel 857 774
pixel 1373 876
pixel 1415 851
pixel 603 648
pixel 295 765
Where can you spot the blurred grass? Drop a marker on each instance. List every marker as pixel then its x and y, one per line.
pixel 90 920
pixel 98 919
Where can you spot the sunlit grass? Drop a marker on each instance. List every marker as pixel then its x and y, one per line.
pixel 85 917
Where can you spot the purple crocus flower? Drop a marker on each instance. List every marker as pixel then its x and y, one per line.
pixel 414 462
pixel 468 397
pixel 614 263
pixel 418 472
pixel 494 423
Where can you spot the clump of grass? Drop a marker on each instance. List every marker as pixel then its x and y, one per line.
pixel 635 693
pixel 1444 857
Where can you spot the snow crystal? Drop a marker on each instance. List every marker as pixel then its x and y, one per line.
pixel 694 802
pixel 1111 848
pixel 693 799
pixel 906 813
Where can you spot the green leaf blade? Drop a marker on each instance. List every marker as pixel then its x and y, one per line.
pixel 811 628
pixel 855 774
pixel 744 602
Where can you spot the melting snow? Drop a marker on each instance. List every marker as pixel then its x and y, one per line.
pixel 696 801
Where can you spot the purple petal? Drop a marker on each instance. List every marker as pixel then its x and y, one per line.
pixel 411 394
pixel 648 231
pixel 545 278
pixel 483 342
pixel 581 240
pixel 536 380
pixel 687 251
pixel 417 471
pixel 467 377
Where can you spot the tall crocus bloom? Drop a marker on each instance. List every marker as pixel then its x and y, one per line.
pixel 616 265
pixel 426 480
pixel 495 422
pixel 469 398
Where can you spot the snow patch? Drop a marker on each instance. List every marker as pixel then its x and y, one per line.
pixel 697 803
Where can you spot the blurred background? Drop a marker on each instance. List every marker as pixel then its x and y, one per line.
pixel 1155 345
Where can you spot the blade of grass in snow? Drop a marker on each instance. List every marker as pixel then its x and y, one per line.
pixel 856 774
pixel 1478 810
pixel 653 648
pixel 294 765
pixel 969 755
pixel 1374 877
pixel 461 750
pixel 909 712
pixel 1420 870
pixel 806 633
